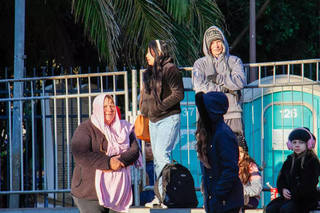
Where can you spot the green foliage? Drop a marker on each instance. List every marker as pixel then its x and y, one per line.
pixel 288 29
pixel 100 26
pixel 134 23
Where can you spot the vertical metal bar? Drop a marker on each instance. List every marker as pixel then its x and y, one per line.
pixel 10 103
pixel 282 122
pixel 302 72
pixel 272 135
pixel 126 95
pixel 43 111
pixel 188 132
pixel 19 41
pixel 134 115
pixel 33 140
pixel 288 72
pixel 101 83
pixel 114 90
pixel 259 74
pixel 252 116
pixel 55 135
pixel 317 71
pixel 78 101
pixel 68 135
pixel 292 106
pixel 314 123
pixel 262 140
pixel 274 74
pixel 21 145
pixel 107 79
pixel 134 93
pixel 89 98
pixel 252 39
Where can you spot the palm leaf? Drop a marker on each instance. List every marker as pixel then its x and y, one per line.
pixel 205 13
pixel 100 25
pixel 134 23
pixel 177 9
pixel 190 25
pixel 142 21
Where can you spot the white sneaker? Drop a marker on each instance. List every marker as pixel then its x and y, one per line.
pixel 155 203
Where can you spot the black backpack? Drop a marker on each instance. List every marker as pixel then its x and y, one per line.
pixel 178 187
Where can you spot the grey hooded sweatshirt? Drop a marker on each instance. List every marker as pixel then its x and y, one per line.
pixel 228 70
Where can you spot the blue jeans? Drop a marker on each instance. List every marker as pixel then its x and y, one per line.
pixel 164 135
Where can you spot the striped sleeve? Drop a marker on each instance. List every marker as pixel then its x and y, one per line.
pixel 254 187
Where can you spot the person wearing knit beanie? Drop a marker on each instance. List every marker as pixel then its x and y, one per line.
pixel 218 71
pixel 214 35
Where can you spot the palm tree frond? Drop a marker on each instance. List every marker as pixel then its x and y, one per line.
pixel 177 9
pixel 100 26
pixel 143 21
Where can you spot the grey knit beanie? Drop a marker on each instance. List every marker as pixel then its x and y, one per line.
pixel 213 35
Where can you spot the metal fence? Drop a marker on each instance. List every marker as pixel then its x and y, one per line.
pixel 52 107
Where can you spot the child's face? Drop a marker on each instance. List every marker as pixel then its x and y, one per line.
pixel 149 154
pixel 299 146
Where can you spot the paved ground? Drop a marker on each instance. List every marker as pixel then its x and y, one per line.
pixel 75 210
pixel 132 210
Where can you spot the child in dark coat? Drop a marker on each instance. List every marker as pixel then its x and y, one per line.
pixel 298 178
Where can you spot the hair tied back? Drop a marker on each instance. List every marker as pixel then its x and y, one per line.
pixel 158 45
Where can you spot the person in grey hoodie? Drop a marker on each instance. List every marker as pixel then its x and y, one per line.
pixel 221 72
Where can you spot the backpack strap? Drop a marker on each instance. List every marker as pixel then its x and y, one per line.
pixel 164 173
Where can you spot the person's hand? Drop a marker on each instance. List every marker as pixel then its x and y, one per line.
pixel 212 78
pixel 286 194
pixel 115 163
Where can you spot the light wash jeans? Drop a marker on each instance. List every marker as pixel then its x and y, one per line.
pixel 164 136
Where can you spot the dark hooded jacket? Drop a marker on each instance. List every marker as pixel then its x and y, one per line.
pixel 223 189
pixel 301 182
pixel 171 94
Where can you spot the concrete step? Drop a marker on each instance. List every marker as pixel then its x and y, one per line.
pixel 75 210
pixel 132 210
pixel 261 211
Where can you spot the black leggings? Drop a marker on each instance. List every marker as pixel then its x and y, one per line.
pixel 288 206
pixel 90 206
pixel 283 206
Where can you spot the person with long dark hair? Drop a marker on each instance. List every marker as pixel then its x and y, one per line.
pixel 161 96
pixel 218 152
pixel 249 173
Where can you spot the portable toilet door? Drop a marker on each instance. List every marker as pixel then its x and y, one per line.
pixel 271 110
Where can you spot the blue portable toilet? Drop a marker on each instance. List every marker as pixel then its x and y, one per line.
pixel 272 107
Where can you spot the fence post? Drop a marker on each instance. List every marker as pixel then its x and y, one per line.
pixel 134 116
pixel 19 57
